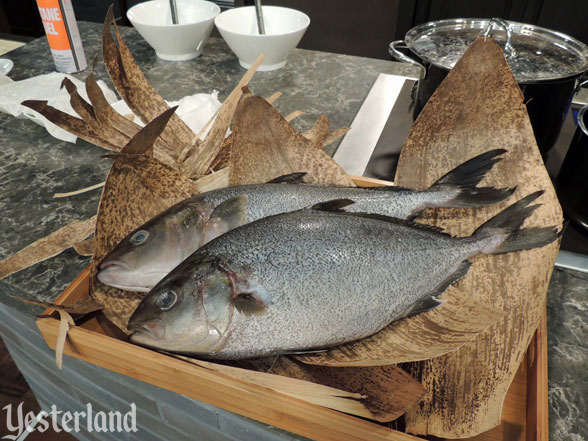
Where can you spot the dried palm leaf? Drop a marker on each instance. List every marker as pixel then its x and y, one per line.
pixel 84 248
pixel 138 187
pixel 104 112
pixel 274 97
pixel 47 247
pixel 266 146
pixel 74 125
pixel 80 191
pixel 136 90
pixel 387 391
pixel 65 322
pixel 108 117
pixel 81 106
pixel 82 306
pixel 213 181
pixel 479 105
pixel 222 157
pixel 200 156
pixel 291 116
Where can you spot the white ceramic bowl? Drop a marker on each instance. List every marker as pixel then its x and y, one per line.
pixel 284 28
pixel 5 66
pixel 184 41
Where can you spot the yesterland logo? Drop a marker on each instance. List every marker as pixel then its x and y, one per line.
pixel 89 420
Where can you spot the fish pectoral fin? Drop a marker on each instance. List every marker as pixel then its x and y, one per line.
pixel 336 205
pixel 431 301
pixel 291 178
pixel 454 277
pixel 226 216
pixel 249 303
pixel 303 351
pixel 232 211
pixel 424 305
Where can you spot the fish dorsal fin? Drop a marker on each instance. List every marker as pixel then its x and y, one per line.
pixel 249 303
pixel 390 188
pixel 303 351
pixel 405 222
pixel 226 216
pixel 291 178
pixel 335 205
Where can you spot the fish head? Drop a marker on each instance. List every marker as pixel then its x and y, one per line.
pixel 189 311
pixel 151 251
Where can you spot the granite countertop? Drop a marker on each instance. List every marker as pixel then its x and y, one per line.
pixel 34 166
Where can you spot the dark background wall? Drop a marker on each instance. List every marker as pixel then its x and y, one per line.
pixel 356 27
pixel 366 27
pixel 567 16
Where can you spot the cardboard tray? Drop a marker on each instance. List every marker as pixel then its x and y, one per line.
pixel 524 415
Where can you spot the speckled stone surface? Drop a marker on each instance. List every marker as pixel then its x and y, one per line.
pixel 567 325
pixel 34 166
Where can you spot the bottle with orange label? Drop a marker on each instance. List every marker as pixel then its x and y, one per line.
pixel 63 35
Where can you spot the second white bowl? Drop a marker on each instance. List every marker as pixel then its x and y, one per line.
pixel 284 28
pixel 183 41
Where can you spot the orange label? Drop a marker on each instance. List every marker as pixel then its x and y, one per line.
pixel 54 24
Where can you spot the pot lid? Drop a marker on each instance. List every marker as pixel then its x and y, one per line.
pixel 537 54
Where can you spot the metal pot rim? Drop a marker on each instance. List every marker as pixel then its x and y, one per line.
pixel 565 42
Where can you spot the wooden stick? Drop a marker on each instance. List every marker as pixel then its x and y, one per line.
pixel 80 191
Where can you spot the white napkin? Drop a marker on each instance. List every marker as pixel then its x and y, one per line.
pixel 45 87
pixel 196 110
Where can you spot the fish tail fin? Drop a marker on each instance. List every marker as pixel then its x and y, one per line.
pixel 508 224
pixel 466 176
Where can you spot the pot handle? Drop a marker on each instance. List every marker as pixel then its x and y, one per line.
pixel 581 122
pixel 397 55
pixel 581 82
pixel 508 48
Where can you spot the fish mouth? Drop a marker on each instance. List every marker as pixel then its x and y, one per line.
pixel 113 264
pixel 114 273
pixel 149 330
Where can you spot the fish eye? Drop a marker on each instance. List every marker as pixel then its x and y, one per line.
pixel 139 237
pixel 167 299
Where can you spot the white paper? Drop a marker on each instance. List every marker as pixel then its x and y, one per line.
pixel 195 110
pixel 46 88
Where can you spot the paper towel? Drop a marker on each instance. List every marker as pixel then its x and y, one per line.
pixel 195 110
pixel 47 88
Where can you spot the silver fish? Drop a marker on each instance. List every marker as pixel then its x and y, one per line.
pixel 151 251
pixel 313 279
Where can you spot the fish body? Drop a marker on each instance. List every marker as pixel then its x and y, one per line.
pixel 313 279
pixel 177 232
